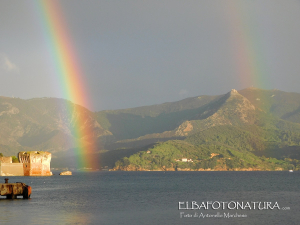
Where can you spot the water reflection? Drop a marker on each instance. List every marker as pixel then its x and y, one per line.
pixel 149 198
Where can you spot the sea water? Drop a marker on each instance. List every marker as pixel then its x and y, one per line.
pixel 136 198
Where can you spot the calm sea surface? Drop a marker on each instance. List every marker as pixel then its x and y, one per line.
pixel 152 198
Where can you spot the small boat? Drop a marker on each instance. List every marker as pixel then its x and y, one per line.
pixel 291 171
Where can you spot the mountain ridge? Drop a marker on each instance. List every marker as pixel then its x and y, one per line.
pixel 46 123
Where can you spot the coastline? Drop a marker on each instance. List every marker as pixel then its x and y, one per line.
pixel 192 170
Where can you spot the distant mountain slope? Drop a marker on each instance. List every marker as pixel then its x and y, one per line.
pixel 42 124
pixel 284 105
pixel 229 109
pixel 247 106
pixel 136 122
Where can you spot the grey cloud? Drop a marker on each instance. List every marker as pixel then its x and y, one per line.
pixel 7 64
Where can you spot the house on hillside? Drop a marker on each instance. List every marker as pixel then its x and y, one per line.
pixel 186 160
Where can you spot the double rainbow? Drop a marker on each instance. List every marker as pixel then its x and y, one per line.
pixel 71 79
pixel 247 57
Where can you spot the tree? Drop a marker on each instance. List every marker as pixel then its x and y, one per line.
pixel 14 159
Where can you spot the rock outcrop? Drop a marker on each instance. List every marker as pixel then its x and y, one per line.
pixel 66 173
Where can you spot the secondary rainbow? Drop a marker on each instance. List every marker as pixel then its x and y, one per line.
pixel 70 76
pixel 247 41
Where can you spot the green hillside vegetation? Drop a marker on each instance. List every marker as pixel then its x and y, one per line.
pixel 232 148
pixel 249 137
pixel 167 156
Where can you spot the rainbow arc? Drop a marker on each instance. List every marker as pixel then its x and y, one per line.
pixel 71 79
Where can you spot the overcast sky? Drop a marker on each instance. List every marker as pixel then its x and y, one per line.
pixel 135 53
